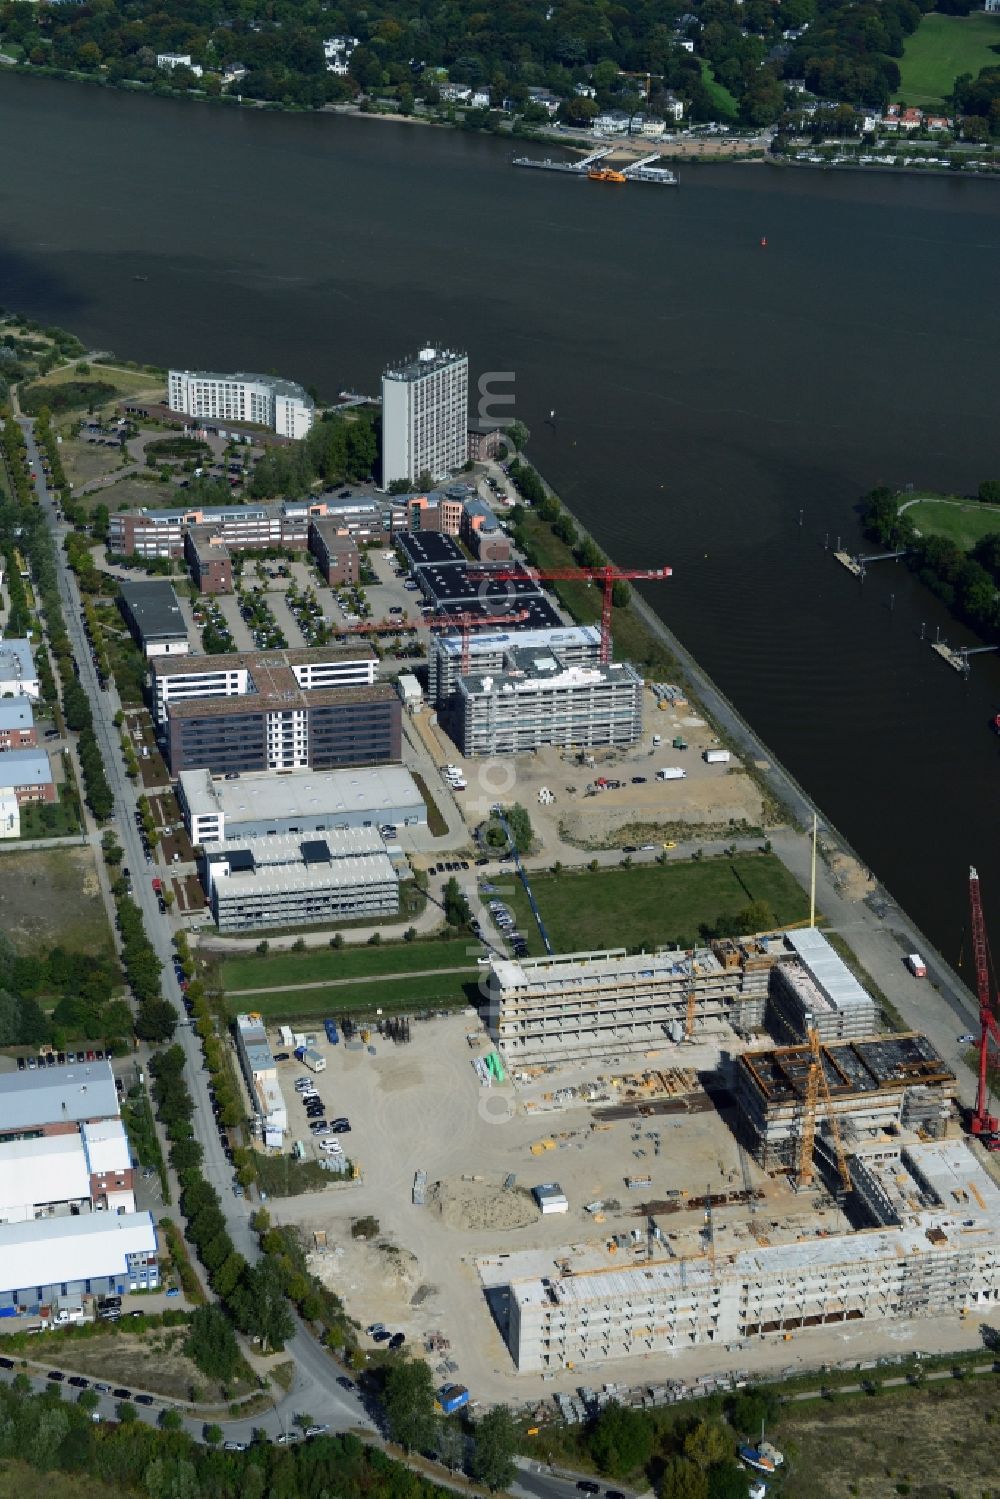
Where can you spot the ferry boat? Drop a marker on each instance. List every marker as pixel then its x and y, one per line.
pixel 606 174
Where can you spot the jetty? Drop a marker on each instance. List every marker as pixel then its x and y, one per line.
pixel 643 170
pixel 959 660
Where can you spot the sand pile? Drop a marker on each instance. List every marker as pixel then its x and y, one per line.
pixel 482 1205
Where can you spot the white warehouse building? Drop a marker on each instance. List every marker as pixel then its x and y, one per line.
pixel 262 805
pixel 252 883
pixel 264 400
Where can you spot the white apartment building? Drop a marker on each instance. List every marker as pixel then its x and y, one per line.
pixel 270 674
pixel 425 404
pixel 337 51
pixel 277 404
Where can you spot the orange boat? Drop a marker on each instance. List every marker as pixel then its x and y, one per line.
pixel 606 174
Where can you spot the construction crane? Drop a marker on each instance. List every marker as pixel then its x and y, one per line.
pixel 692 1001
pixel 607 575
pixel 709 1229
pixel 985 1126
pixel 817 1084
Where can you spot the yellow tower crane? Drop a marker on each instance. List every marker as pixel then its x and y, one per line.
pixel 816 1084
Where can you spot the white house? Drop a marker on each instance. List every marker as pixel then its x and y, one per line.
pixel 455 93
pixel 480 99
pixel 612 122
pixel 171 60
pixel 337 50
pixel 673 108
pixel 233 72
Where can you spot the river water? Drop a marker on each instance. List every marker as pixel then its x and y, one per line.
pixel 721 405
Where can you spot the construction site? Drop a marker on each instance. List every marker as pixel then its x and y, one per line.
pixel 858 1197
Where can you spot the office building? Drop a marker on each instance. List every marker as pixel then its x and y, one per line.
pixel 337 553
pixel 255 883
pixel 425 405
pixel 209 560
pixel 450 584
pixel 921 1256
pixel 575 645
pixel 317 708
pixel 17 724
pixel 28 773
pixel 153 615
pixel 261 400
pixel 539 699
pixel 17 670
pixel 881 1084
pixel 59 1261
pixel 57 1100
pixel 597 1004
pixel 261 1074
pixel 819 992
pixel 482 532
pixel 262 806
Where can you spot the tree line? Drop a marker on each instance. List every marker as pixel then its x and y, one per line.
pixel 966 582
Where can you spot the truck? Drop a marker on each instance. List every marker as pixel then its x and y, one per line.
pixel 452 1397
pixel 671 773
pixel 716 757
pixel 314 1060
pixel 916 965
pixel 157 886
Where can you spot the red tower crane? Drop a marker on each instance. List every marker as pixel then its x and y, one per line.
pixel 607 575
pixel 985 1126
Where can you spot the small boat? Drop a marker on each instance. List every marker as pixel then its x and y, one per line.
pixel 756 1460
pixel 763 244
pixel 996 723
pixel 140 278
pixel 606 174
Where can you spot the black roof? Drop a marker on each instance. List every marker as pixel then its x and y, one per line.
pixel 422 547
pixel 241 860
pixel 154 608
pixel 316 851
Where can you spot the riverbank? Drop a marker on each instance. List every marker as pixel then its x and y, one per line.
pixel 879 930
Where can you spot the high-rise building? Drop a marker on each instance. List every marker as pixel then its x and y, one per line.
pixel 425 416
pixel 261 399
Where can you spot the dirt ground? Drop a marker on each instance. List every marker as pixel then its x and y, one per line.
pixel 420 1107
pixel 133 494
pixel 50 897
pixel 155 1363
pixel 715 799
pixel 85 461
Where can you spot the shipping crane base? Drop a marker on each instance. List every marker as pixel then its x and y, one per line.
pixel 983 1126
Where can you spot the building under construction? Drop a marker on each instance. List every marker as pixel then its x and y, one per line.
pixel 881 1084
pixel 590 1004
pixel 935 1250
pixel 815 990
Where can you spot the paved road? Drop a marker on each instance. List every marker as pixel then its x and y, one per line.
pixel 316 1388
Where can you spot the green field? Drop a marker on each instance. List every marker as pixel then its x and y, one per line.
pixel 722 99
pixel 940 49
pixel 962 521
pixel 391 996
pixel 322 964
pixel 651 905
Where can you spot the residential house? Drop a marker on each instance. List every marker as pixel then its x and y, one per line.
pixel 171 60
pixel 337 52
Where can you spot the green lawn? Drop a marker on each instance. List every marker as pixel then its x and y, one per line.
pixel 962 521
pixel 651 905
pixel 940 49
pixel 396 996
pixel 316 965
pixel 722 99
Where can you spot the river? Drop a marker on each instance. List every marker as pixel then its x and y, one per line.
pixel 721 404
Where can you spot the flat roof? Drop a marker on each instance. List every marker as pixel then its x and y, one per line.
pixel 425 547
pixel 50 1168
pixel 16 713
pixel 154 607
pixel 426 362
pixel 966 1219
pixel 106 1145
pixel 880 1063
pixel 261 665
pixel 482 642
pixel 306 793
pixel 75 1092
pixel 48 1251
pixel 586 968
pixel 294 697
pixel 357 857
pixel 25 767
pixel 16 659
pixel 547 674
pixel 832 975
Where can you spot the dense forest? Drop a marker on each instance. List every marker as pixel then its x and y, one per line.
pixel 844 49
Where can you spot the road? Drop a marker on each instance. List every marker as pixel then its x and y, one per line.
pixel 315 1389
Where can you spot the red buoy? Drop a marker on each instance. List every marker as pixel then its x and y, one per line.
pixel 763 244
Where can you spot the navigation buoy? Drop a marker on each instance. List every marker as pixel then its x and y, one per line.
pixel 763 244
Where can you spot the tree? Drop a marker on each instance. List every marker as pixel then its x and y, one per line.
pixel 170 1420
pixel 211 1433
pixel 265 1310
pixel 622 1440
pixel 494 1445
pixel 757 917
pixel 449 1443
pixel 752 1408
pixel 125 1411
pixel 707 1442
pixel 211 1342
pixel 518 433
pixel 727 1480
pixel 456 907
pixel 88 1400
pixel 683 1479
pixel 989 492
pixel 409 1404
